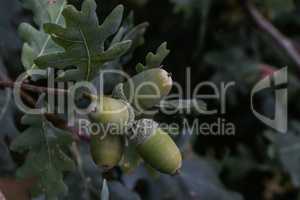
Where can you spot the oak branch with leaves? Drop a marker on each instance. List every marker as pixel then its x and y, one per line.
pixel 73 42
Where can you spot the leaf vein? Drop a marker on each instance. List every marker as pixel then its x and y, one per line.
pixel 48 37
pixel 88 55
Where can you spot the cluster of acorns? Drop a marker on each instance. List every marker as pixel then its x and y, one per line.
pixel 153 145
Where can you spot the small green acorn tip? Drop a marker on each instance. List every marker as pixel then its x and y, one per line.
pixel 176 173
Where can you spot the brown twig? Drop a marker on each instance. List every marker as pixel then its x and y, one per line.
pixel 56 120
pixel 34 88
pixel 41 89
pixel 273 32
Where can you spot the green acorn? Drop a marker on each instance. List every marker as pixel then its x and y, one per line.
pixel 145 89
pixel 107 151
pixel 156 147
pixel 112 112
